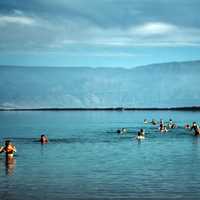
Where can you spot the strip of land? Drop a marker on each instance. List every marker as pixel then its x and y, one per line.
pixel 192 108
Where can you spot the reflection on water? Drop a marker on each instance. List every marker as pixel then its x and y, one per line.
pixel 10 163
pixel 7 165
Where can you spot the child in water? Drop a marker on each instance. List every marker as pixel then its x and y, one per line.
pixel 9 149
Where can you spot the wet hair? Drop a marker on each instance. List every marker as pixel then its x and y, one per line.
pixel 194 122
pixel 7 142
pixel 118 131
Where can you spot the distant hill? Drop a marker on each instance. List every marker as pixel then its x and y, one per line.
pixel 174 84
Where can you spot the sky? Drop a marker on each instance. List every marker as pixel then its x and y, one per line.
pixel 98 33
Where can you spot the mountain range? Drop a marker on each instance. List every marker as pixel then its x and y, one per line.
pixel 175 84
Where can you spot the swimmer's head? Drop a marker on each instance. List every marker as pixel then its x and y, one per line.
pixel 7 142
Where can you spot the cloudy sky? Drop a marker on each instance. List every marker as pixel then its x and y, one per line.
pixel 115 33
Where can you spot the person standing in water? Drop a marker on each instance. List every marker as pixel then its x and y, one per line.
pixel 141 134
pixel 9 149
pixel 196 128
pixel 161 128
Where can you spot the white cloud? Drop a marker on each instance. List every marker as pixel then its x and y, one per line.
pixel 154 28
pixel 156 34
pixel 16 19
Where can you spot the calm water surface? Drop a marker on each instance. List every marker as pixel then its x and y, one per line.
pixel 87 159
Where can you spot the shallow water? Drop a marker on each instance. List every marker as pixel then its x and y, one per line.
pixel 87 159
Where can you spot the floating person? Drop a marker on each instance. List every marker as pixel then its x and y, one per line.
pixel 122 131
pixel 43 139
pixel 142 132
pixel 174 125
pixel 140 135
pixel 170 123
pixel 9 149
pixel 187 126
pixel 154 122
pixel 163 129
pixel 119 131
pixel 145 121
pixel 196 128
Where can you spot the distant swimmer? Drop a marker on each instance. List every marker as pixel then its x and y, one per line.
pixel 174 125
pixel 163 129
pixel 161 125
pixel 140 135
pixel 9 149
pixel 145 121
pixel 122 131
pixel 142 132
pixel 43 139
pixel 171 124
pixel 187 126
pixel 119 131
pixel 154 122
pixel 196 128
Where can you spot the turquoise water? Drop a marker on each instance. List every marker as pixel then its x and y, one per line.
pixel 87 159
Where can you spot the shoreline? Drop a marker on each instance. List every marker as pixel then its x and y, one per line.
pixel 192 108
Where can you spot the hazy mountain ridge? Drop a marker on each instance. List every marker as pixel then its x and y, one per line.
pixel 159 85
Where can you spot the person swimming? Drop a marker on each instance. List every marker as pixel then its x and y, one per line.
pixel 9 149
pixel 122 131
pixel 161 125
pixel 171 124
pixel 145 121
pixel 163 128
pixel 154 122
pixel 43 139
pixel 187 126
pixel 196 128
pixel 141 134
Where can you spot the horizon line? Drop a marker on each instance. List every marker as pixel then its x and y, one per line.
pixel 116 67
pixel 183 108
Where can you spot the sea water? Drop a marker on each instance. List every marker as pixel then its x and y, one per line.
pixel 86 158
